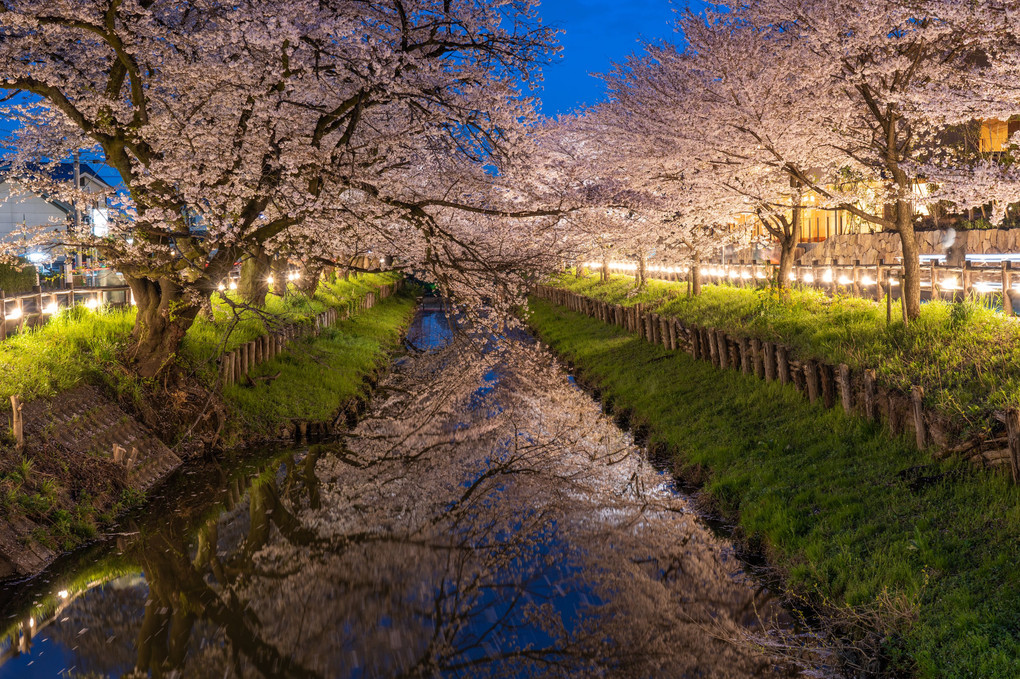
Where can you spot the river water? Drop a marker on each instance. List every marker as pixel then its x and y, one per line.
pixel 483 519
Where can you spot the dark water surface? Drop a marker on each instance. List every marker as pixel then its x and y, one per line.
pixel 484 519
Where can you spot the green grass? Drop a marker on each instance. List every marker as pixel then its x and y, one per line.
pixel 75 346
pixel 825 495
pixel 319 375
pixel 85 346
pixel 229 329
pixel 966 356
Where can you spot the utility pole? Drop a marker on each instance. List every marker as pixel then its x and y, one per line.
pixel 77 212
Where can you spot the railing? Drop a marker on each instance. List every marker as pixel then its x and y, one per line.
pixel 21 311
pixel 986 276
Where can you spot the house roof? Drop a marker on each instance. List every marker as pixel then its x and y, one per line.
pixel 61 172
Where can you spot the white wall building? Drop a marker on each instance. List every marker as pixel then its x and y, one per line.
pixel 20 208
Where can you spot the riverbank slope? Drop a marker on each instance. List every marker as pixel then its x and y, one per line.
pixel 68 483
pixel 863 526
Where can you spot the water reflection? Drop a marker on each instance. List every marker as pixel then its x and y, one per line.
pixel 484 520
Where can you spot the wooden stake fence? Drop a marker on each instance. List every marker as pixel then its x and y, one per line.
pixel 236 366
pixel 857 392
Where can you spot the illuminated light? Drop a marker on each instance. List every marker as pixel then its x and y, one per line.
pixel 31 622
pixel 382 260
pixel 746 275
pixel 704 271
pixel 867 280
pixel 983 287
pixel 760 274
pixel 269 280
pixel 843 280
pixel 809 278
pixel 63 594
pixel 51 309
pixel 793 276
pixel 297 275
pixel 827 276
pixel 14 314
pixel 92 303
pixel 733 274
pixel 895 281
pixel 233 285
pixel 221 287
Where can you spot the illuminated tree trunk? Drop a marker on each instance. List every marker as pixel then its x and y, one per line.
pixel 641 273
pixel 309 281
pixel 605 269
pixel 162 321
pixel 695 278
pixel 788 252
pixel 911 288
pixel 255 271
pixel 280 267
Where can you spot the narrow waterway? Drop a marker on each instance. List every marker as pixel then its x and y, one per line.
pixel 483 519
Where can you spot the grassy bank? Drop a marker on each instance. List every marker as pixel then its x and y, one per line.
pixel 851 518
pixel 81 345
pixel 966 356
pixel 55 498
pixel 319 375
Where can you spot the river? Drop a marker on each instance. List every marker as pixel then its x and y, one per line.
pixel 484 518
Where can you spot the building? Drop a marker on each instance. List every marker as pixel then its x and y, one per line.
pixel 20 207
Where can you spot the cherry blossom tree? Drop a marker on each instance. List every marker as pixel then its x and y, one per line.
pixel 239 130
pixel 873 72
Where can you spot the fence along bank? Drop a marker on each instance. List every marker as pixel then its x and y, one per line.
pixel 856 391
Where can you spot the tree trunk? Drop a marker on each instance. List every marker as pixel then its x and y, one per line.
pixel 911 260
pixel 787 255
pixel 163 318
pixel 641 273
pixel 280 266
pixel 696 276
pixel 309 281
pixel 789 236
pixel 605 270
pixel 254 284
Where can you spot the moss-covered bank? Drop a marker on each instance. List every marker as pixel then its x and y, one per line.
pixel 852 519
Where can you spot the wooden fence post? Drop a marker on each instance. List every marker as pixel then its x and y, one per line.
pixel 18 425
pixel 769 349
pixel 722 349
pixel 758 357
pixel 713 350
pixel 783 360
pixel 916 401
pixel 1013 436
pixel 734 352
pixel 827 380
pixel 811 378
pixel 869 394
pixel 745 356
pixel 844 388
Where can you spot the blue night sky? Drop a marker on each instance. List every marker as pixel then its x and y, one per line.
pixel 598 33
